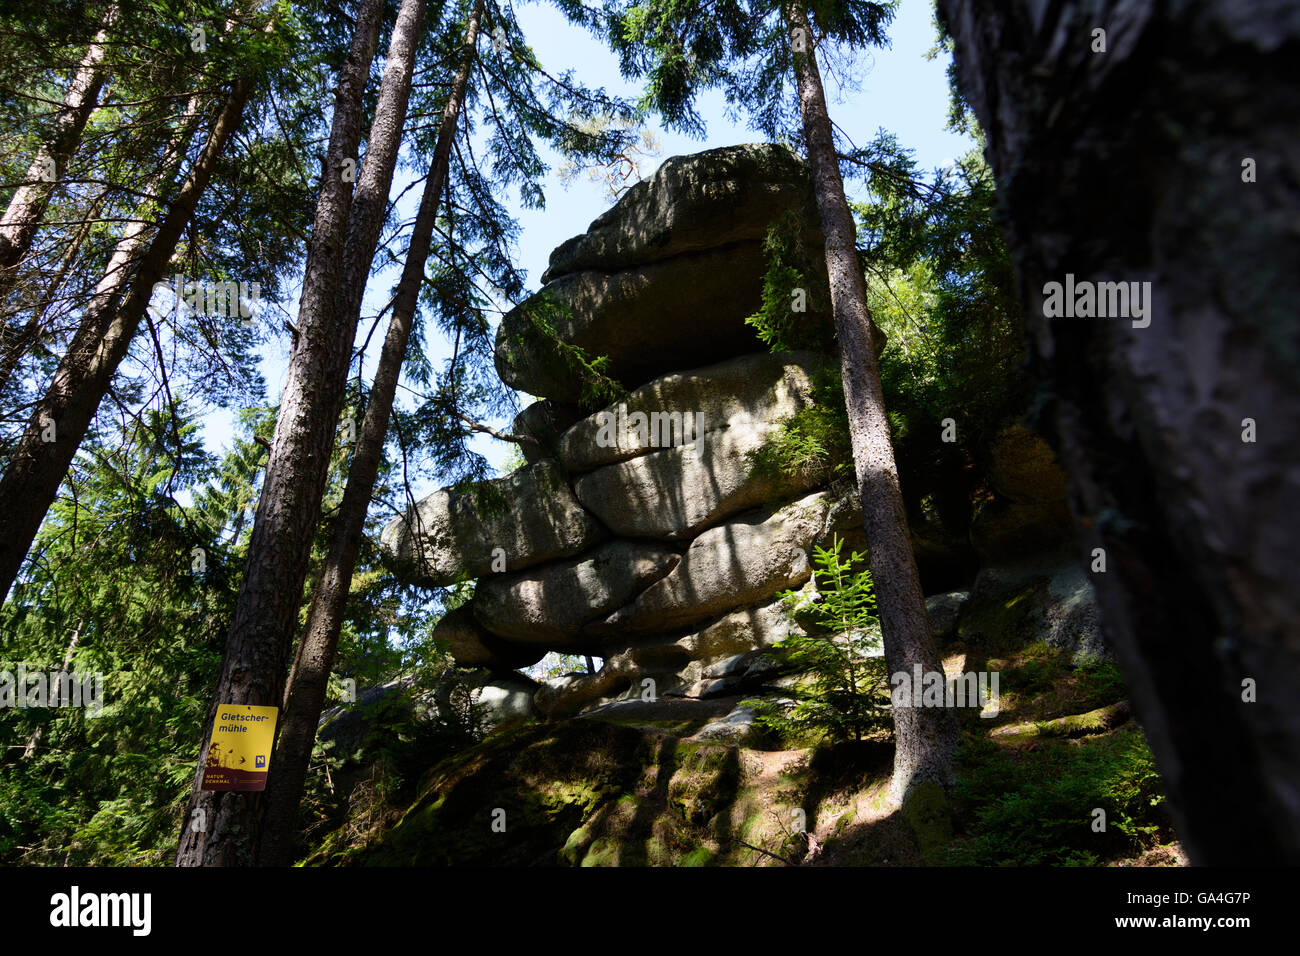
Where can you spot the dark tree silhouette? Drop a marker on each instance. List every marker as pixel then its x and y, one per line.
pixel 1163 151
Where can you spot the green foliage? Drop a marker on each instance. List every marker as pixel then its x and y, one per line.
pixel 114 562
pixel 243 225
pixel 358 776
pixel 139 560
pixel 1043 674
pixel 841 692
pixel 940 284
pixel 813 443
pixel 786 286
pixel 116 588
pixel 942 287
pixel 685 47
pixel 1101 682
pixel 591 372
pixel 1048 818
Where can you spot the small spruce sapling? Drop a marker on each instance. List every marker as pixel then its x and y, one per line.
pixel 842 694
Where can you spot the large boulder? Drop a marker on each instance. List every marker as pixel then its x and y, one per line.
pixel 740 631
pixel 727 411
pixel 738 563
pixel 738 728
pixel 549 605
pixel 666 278
pixel 944 611
pixel 530 515
pixel 1071 620
pixel 674 493
pixel 498 698
pixel 505 697
pixel 472 645
pixel 646 534
pixel 649 320
pixel 1030 510
pixel 544 422
pixel 691 203
pixel 1031 600
pixel 749 390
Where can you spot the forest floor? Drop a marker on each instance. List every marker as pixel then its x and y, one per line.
pixel 1061 775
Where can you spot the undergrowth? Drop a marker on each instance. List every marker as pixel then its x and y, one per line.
pixel 1036 806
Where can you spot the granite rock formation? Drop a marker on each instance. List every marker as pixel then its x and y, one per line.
pixel 642 533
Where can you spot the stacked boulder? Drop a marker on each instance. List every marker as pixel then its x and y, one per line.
pixel 643 533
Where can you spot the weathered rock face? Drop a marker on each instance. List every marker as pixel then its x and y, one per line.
pixel 668 314
pixel 751 391
pixel 664 280
pixel 1015 604
pixel 737 563
pixel 473 645
pixel 531 516
pixel 552 604
pixel 692 203
pixel 544 422
pixel 695 485
pixel 643 533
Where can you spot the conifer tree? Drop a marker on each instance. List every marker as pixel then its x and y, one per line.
pixel 509 70
pixel 107 326
pixel 256 652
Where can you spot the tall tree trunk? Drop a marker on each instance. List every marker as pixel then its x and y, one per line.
pixel 102 340
pixel 925 737
pixel 1132 165
pixel 263 624
pixel 27 205
pixel 20 342
pixel 309 678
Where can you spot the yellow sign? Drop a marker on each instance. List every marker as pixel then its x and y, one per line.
pixel 240 752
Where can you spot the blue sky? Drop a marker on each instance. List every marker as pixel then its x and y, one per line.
pixel 897 89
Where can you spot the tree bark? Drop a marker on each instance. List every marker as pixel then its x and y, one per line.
pixel 925 738
pixel 265 617
pixel 18 344
pixel 27 205
pixel 309 678
pixel 1127 165
pixel 103 337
